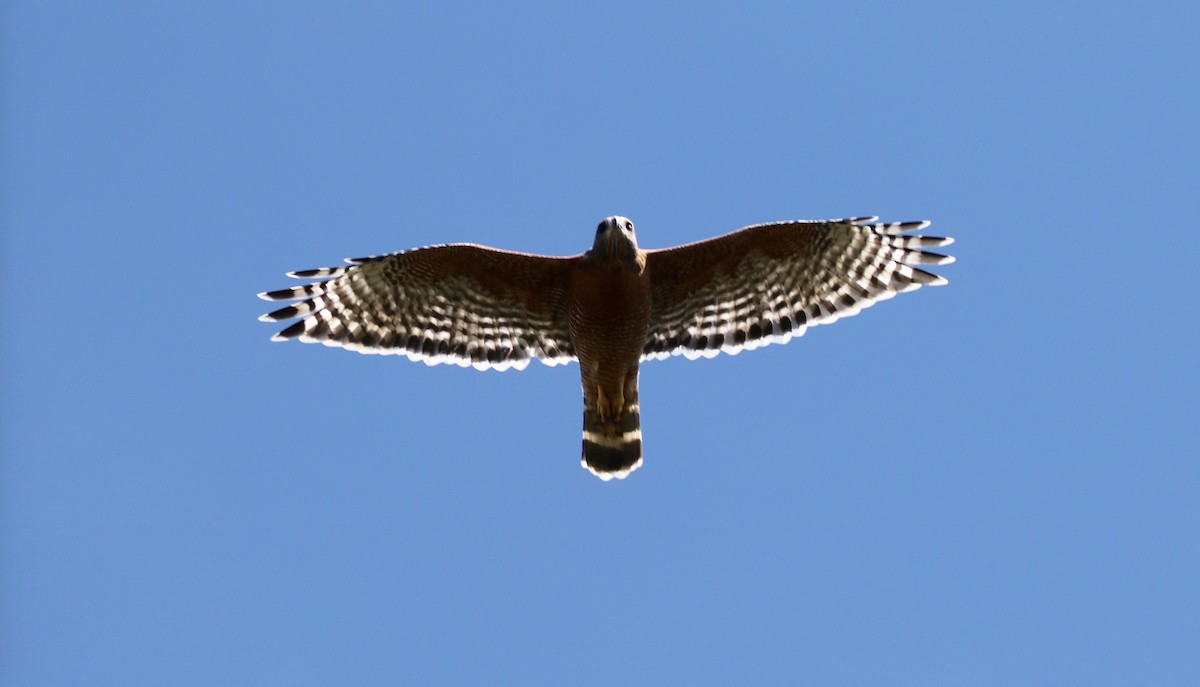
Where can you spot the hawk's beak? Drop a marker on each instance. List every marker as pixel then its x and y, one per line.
pixel 614 238
pixel 613 235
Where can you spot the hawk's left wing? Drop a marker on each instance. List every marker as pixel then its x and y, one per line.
pixel 767 283
pixel 459 303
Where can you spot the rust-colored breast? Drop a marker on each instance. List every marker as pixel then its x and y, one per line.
pixel 609 314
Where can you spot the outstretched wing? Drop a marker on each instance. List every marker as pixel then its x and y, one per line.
pixel 769 282
pixel 461 304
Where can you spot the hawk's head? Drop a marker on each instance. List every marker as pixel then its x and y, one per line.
pixel 615 238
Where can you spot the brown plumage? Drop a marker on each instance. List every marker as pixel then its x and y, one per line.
pixel 610 307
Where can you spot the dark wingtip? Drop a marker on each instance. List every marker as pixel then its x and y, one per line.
pixel 308 274
pixel 295 330
pixel 284 313
pixel 281 295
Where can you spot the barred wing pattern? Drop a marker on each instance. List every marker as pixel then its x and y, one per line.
pixel 460 303
pixel 767 283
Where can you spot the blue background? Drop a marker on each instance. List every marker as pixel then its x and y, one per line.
pixel 993 482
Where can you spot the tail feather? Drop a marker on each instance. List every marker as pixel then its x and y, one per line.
pixel 613 447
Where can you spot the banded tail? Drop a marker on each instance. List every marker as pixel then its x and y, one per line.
pixel 612 447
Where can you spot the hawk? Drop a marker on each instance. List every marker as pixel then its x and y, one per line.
pixel 609 308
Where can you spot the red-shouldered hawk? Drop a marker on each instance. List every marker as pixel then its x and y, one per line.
pixel 611 307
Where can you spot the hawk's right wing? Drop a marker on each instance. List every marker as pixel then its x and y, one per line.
pixel 767 283
pixel 459 303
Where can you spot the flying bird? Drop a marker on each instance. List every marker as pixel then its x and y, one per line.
pixel 609 308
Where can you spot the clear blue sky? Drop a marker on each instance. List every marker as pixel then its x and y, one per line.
pixel 991 483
